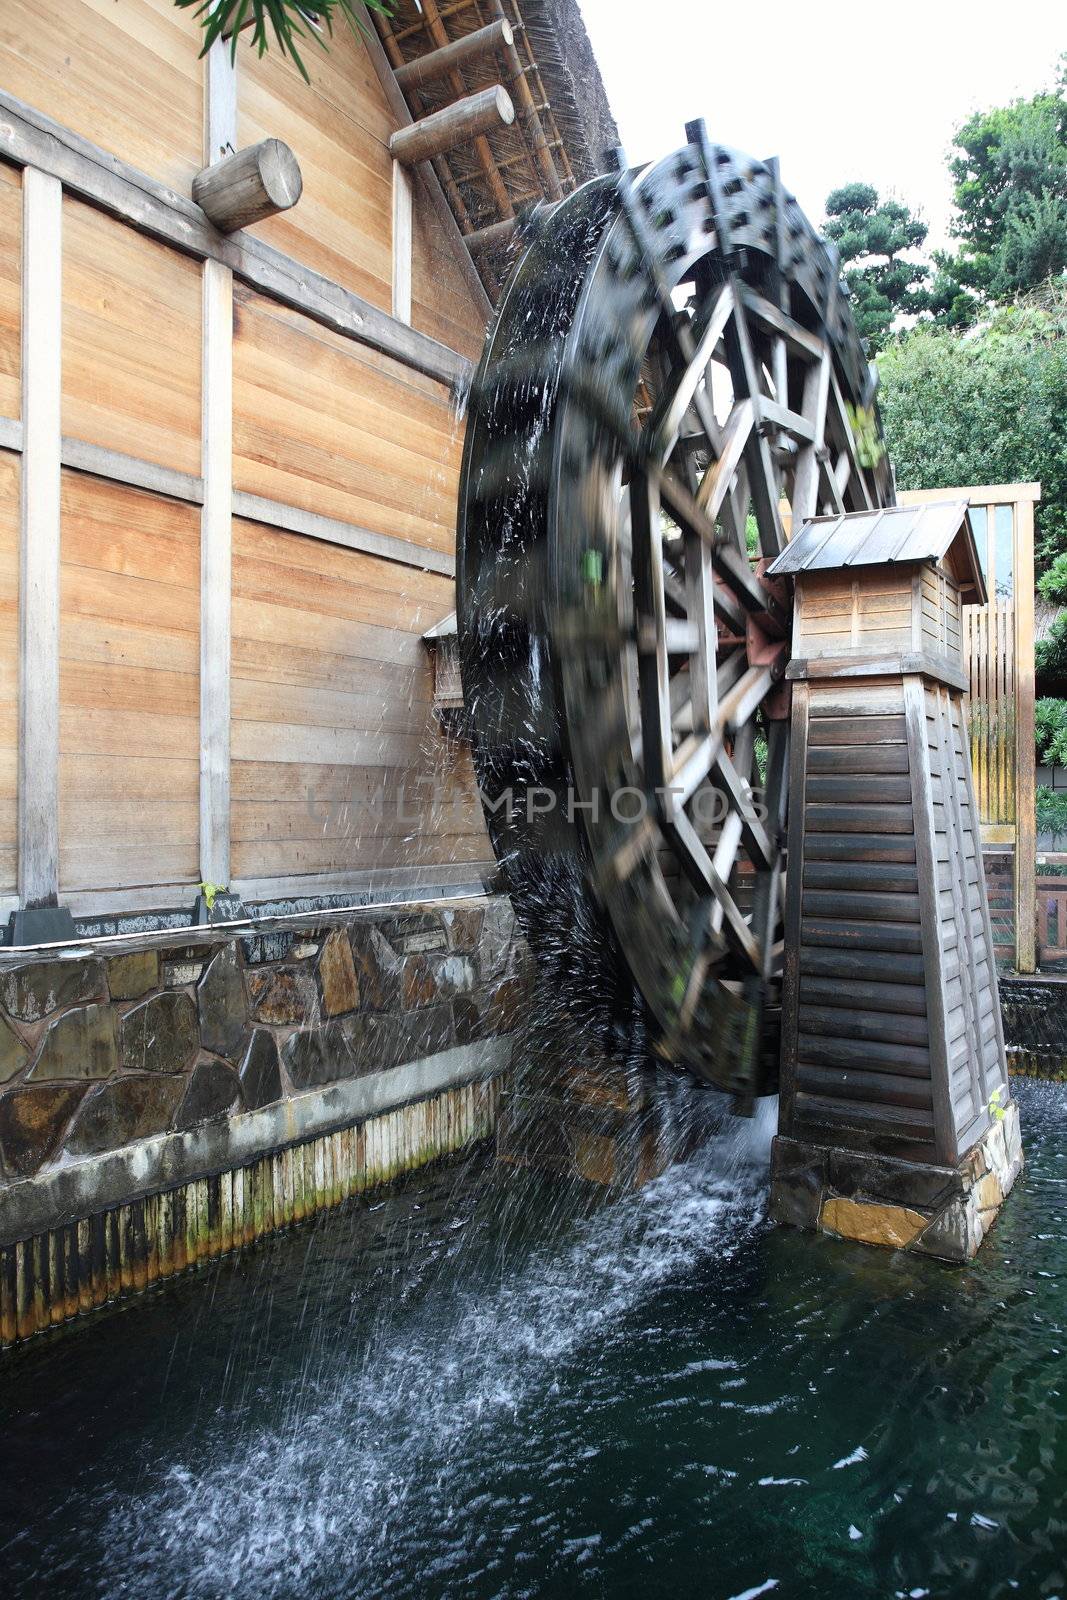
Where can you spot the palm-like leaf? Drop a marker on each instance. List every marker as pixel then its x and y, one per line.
pixel 286 20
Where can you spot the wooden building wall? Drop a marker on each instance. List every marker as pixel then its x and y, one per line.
pixel 333 512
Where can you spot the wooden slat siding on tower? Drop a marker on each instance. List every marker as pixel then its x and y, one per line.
pixel 860 1069
pixel 890 1040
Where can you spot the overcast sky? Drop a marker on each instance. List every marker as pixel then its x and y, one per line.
pixel 838 89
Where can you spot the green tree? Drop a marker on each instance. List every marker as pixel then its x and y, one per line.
pixel 1010 175
pixel 288 21
pixel 1050 732
pixel 874 235
pixel 987 406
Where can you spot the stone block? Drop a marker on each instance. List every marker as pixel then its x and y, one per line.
pixel 162 1034
pixel 261 948
pixel 869 1222
pixel 455 975
pixel 463 927
pixel 31 1122
pixel 337 975
pixel 213 1090
pixel 82 1043
pixel 378 968
pixel 320 1055
pixel 505 1007
pixel 132 975
pixel 261 1079
pixel 497 937
pixel 33 992
pixel 855 1174
pixel 415 933
pixel 283 995
pixel 181 974
pixel 127 1109
pixel 13 1052
pixel 303 951
pixel 798 1182
pixel 220 998
pixel 418 986
pixel 950 1236
pixel 425 1033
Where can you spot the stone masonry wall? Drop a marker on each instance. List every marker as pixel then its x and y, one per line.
pixel 124 1041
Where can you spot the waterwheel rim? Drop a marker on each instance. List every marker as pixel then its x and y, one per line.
pixel 673 371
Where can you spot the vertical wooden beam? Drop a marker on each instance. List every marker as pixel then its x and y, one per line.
pixel 220 132
pixel 1025 773
pixel 220 103
pixel 402 242
pixel 42 305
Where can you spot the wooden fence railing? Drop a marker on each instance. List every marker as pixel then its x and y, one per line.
pixel 999 650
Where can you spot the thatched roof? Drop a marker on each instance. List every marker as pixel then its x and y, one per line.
pixel 559 42
pixel 563 124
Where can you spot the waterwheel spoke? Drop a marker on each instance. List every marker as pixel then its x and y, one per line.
pixel 651 623
pixel 665 424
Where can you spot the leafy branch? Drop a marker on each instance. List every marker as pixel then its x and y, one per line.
pixel 287 20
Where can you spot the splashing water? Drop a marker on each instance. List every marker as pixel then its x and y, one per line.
pixel 380 1447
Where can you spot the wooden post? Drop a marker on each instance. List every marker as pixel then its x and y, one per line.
pixel 216 467
pixel 1025 772
pixel 460 53
pixel 455 124
pixel 248 186
pixel 38 765
pixel 402 226
pixel 220 103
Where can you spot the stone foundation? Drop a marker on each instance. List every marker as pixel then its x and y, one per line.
pixel 902 1205
pixel 56 1275
pixel 141 1076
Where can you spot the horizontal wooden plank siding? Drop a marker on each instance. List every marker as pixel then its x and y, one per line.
pixel 338 763
pixel 125 74
pixel 131 341
pixel 335 429
pixel 337 128
pixel 129 687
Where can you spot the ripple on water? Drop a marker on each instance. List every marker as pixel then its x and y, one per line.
pixel 487 1388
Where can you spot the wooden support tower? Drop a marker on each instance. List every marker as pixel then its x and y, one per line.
pixel 896 1125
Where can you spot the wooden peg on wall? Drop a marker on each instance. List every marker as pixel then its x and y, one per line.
pixel 249 186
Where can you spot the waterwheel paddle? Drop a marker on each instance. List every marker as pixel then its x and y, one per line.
pixel 673 373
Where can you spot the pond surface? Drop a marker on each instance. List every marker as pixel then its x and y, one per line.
pixel 482 1386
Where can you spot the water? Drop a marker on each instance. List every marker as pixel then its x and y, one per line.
pixel 482 1386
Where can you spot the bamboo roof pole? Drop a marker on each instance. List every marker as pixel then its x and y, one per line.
pixel 439 164
pixel 439 35
pixel 453 124
pixel 470 47
pixel 529 120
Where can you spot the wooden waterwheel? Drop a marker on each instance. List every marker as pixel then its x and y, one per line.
pixel 672 376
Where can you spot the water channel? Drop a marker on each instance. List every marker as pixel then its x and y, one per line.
pixel 481 1383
